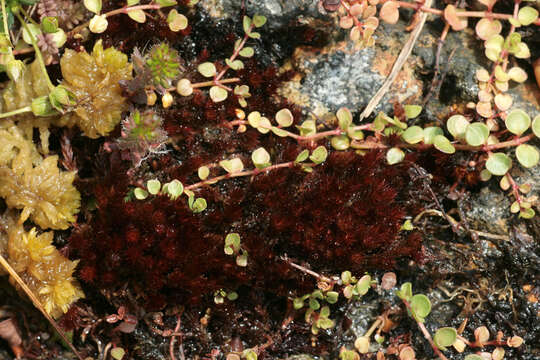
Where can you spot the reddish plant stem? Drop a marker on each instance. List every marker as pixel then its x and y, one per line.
pixel 233 56
pixel 515 188
pixel 479 345
pixel 478 14
pixel 123 10
pixel 485 148
pixel 512 29
pixel 313 137
pixel 216 179
pixel 208 83
pixel 426 334
pixel 307 271
pixel 173 338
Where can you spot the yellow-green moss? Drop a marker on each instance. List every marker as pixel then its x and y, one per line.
pixel 45 194
pixel 93 78
pixel 41 266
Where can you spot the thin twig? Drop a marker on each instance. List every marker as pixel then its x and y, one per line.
pixel 402 58
pixel 173 337
pixel 37 304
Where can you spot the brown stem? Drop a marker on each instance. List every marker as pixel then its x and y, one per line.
pixel 307 271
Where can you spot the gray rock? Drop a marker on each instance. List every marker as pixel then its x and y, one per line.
pixel 278 12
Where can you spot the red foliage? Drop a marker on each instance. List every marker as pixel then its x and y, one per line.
pixel 346 214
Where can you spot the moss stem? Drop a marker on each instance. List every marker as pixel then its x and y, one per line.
pixel 5 22
pixel 39 57
pixel 16 112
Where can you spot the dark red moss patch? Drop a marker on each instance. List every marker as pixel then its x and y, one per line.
pixel 346 214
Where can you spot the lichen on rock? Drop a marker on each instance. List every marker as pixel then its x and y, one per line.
pixel 93 78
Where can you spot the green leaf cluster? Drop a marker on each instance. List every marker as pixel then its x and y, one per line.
pixel 419 304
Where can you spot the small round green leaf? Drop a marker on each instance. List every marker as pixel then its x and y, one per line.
pixel 93 5
pixel 527 15
pixel 207 69
pixel 242 260
pixel 247 52
pixel 332 297
pixel 235 65
pixel 344 117
pixel 254 119
pixel 298 303
pixel 340 142
pixel 203 172
pixel 405 292
pixel 517 121
pixel 473 357
pixel 420 305
pixel 260 158
pixel 304 154
pixel 319 155
pixel 536 126
pixel 175 188
pixel 445 337
pixel 527 213
pixel 307 128
pixel 413 135
pixel 485 175
pixel 498 164
pixel 218 94
pixel 314 304
pixel 279 131
pixel 284 117
pixel 264 125
pixel 346 277
pixel 117 353
pixel 412 111
pixel 138 15
pixel 259 20
pixel 430 133
pixel 246 24
pixel 363 285
pixel 232 241
pixel 140 194
pixel 457 126
pixel 394 155
pixel 199 205
pixel 476 134
pixel 153 186
pixel 527 155
pixel 442 144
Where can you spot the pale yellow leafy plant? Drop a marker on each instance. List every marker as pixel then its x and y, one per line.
pixel 45 194
pixel 94 79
